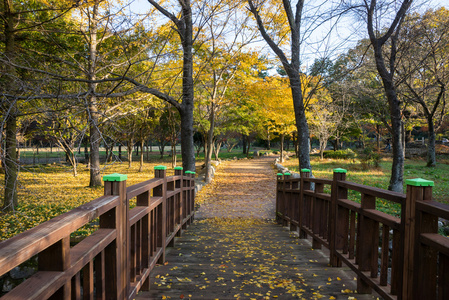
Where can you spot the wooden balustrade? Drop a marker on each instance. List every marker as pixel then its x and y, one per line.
pixel 115 261
pixel 399 257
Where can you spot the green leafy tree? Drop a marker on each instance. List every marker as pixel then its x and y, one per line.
pixel 424 69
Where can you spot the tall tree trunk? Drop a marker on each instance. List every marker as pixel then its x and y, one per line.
pixel 94 116
pixel 130 152
pixel 210 143
pixel 282 148
pixel 431 155
pixel 217 150
pixel 292 69
pixel 173 154
pixel 161 149
pixel 95 138
pixel 86 153
pixel 187 145
pixel 387 76
pixel 301 122
pixel 10 112
pixel 11 167
pixel 244 143
pixel 184 28
pixel 295 143
pixel 248 145
pixel 268 139
pixel 142 142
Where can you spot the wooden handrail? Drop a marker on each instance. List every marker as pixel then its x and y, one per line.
pixel 355 231
pixel 115 261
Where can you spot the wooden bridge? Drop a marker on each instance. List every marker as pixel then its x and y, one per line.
pixel 397 258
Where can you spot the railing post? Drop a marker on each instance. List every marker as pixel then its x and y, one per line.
pixel 336 192
pixel 179 201
pixel 287 202
pixel 144 199
pixel 305 173
pixel 190 184
pixel 294 208
pixel 161 191
pixel 420 262
pixel 279 195
pixel 117 274
pixel 57 258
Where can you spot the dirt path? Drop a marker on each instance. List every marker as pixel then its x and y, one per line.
pixel 242 188
pixel 234 250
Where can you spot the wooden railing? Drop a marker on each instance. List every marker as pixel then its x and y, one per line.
pixel 399 257
pixel 115 261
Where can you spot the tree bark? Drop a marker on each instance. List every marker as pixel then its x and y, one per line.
pixel 243 144
pixel 282 149
pixel 268 140
pixel 9 108
pixel 301 121
pixel 95 136
pixel 130 153
pixel 94 116
pixel 431 152
pixel 11 167
pixel 142 142
pixel 210 143
pixel 217 150
pixel 173 155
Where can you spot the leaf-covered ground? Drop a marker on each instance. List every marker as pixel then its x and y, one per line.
pixel 46 191
pixel 235 251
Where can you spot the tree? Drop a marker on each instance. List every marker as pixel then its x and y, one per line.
pixel 292 66
pixel 423 69
pixel 218 62
pixel 20 22
pixel 383 35
pixel 272 96
pixel 328 114
pixel 184 28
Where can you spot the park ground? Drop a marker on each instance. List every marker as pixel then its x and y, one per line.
pixel 47 190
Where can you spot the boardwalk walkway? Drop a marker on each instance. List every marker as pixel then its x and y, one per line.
pixel 234 250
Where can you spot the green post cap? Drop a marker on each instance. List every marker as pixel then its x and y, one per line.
pixel 305 170
pixel 419 182
pixel 160 168
pixel 178 168
pixel 287 174
pixel 115 177
pixel 340 170
pixel 279 174
pixel 190 172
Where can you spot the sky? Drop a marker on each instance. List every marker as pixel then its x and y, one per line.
pixel 344 38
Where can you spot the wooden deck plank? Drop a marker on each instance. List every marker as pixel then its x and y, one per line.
pixel 209 263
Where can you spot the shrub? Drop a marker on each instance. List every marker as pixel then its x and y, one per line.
pixel 369 158
pixel 339 154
